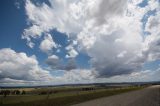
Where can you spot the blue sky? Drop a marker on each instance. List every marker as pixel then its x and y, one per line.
pixel 69 38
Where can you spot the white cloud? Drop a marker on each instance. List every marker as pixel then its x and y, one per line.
pixel 45 18
pixel 152 41
pixel 122 54
pixel 153 24
pixel 53 61
pixel 17 4
pixel 20 69
pixel 115 35
pixel 19 66
pixel 78 75
pixel 72 53
pixel 47 44
pixel 75 76
pixel 105 30
pixel 153 4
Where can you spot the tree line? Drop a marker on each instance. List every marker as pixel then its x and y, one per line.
pixel 12 92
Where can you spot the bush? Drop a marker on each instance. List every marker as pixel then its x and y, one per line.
pixel 17 92
pixel 23 92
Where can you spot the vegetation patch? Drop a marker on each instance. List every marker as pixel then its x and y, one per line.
pixel 63 98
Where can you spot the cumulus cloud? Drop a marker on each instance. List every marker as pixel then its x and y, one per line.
pixel 45 18
pixel 108 31
pixel 76 76
pixel 116 37
pixel 107 9
pixel 152 41
pixel 20 69
pixel 79 75
pixel 72 53
pixel 140 76
pixel 47 44
pixel 71 64
pixel 18 66
pixel 55 63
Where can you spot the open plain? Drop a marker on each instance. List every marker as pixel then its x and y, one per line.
pixel 149 96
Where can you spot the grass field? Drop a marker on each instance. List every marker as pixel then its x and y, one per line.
pixel 66 96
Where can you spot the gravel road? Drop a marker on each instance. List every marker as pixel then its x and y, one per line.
pixel 146 97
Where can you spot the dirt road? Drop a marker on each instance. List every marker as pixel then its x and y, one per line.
pixel 146 97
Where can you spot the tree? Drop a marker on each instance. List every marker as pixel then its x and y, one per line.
pixel 17 92
pixel 23 92
pixel 6 92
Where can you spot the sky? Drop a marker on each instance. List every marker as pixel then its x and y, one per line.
pixel 50 42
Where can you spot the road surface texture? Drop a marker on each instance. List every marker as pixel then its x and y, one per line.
pixel 146 97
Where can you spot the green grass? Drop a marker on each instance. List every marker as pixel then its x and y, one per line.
pixel 61 99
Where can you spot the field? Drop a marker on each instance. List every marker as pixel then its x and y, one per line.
pixel 149 96
pixel 60 96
